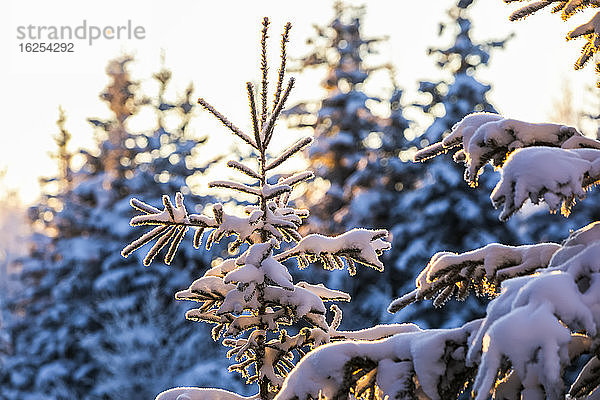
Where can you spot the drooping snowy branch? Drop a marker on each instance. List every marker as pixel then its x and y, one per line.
pixel 554 311
pixel 558 177
pixel 482 270
pixel 548 162
pixel 429 362
pixel 484 137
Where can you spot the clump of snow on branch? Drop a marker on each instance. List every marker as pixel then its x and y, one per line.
pixel 194 393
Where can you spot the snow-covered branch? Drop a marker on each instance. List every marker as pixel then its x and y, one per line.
pixel 173 222
pixel 243 168
pixel 483 270
pixel 293 149
pixel 430 363
pixel 361 245
pixel 240 187
pixel 548 162
pixel 484 137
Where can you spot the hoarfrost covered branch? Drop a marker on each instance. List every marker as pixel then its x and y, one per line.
pixel 250 295
pixel 544 316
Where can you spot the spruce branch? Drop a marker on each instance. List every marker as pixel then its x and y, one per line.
pixel 243 169
pixel 160 243
pixel 284 39
pixel 198 237
pixel 173 222
pixel 254 114
pixel 360 245
pixel 142 240
pixel 297 178
pixel 143 207
pixel 237 131
pixel 530 9
pixel 293 149
pixel 264 70
pixel 240 187
pixel 270 127
pixel 175 244
pixel 568 8
pixel 482 269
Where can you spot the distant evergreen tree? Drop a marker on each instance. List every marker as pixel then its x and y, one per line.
pixel 449 213
pixel 355 152
pixel 77 288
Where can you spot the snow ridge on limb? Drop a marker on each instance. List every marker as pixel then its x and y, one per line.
pixel 194 393
pixel 361 245
pixel 589 30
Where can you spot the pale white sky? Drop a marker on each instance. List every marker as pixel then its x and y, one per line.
pixel 214 45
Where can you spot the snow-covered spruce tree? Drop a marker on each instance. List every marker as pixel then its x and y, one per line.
pixel 452 216
pixel 250 297
pixel 355 151
pixel 545 315
pixel 73 284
